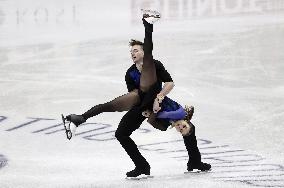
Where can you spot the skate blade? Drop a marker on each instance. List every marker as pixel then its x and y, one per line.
pixel 67 132
pixel 196 171
pixel 63 119
pixel 151 13
pixel 141 177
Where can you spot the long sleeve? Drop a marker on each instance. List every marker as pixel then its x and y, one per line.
pixel 173 115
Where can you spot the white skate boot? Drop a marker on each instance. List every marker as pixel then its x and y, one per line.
pixel 151 16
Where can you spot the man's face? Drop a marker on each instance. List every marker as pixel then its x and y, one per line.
pixel 137 53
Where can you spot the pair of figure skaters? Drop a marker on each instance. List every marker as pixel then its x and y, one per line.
pixel 146 99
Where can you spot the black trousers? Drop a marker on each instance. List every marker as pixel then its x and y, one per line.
pixel 129 123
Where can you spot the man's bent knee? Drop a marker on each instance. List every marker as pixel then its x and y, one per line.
pixel 120 135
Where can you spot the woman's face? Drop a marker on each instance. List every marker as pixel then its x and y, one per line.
pixel 182 126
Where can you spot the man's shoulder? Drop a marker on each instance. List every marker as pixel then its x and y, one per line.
pixel 158 64
pixel 157 61
pixel 131 68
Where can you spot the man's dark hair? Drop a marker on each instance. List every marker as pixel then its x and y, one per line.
pixel 133 42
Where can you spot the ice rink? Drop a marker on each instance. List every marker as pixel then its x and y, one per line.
pixel 226 58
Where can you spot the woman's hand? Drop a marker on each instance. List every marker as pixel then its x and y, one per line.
pixel 156 106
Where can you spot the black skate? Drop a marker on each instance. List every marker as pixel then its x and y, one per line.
pixel 139 173
pixel 70 129
pixel 201 167
pixel 151 16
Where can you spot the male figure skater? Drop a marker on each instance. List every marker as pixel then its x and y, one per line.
pixel 144 85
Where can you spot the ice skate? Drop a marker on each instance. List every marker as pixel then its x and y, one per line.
pixel 139 173
pixel 151 16
pixel 201 167
pixel 71 122
pixel 67 127
pixel 76 119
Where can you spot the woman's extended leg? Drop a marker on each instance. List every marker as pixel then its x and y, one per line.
pixel 148 75
pixel 148 80
pixel 119 104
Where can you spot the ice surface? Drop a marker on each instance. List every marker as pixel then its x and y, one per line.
pixel 226 58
